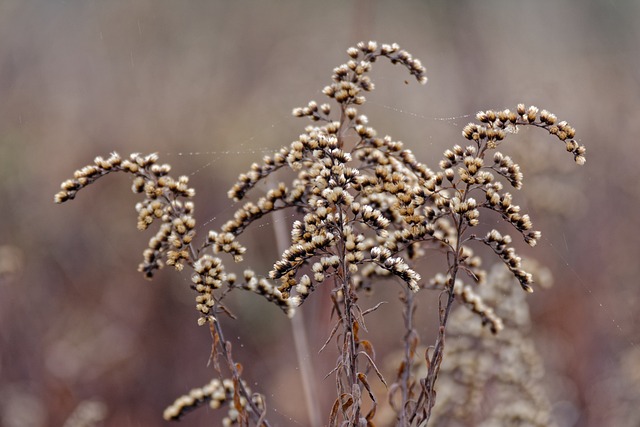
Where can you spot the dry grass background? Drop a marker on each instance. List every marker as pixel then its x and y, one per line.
pixel 82 78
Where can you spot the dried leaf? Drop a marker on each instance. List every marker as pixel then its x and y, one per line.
pixel 368 348
pixel 375 368
pixel 374 308
pixel 363 379
pixel 333 416
pixel 333 332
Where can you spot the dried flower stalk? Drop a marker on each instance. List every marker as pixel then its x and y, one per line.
pixel 366 209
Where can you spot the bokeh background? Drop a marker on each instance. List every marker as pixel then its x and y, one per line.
pixel 79 325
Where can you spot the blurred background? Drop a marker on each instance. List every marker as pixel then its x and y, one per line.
pixel 210 85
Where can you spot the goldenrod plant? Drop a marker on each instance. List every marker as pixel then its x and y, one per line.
pixel 366 211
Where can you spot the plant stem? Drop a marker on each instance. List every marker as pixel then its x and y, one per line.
pixel 255 411
pixel 436 359
pixel 409 349
pixel 428 387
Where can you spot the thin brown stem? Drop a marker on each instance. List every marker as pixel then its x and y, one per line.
pixel 350 345
pixel 255 413
pixel 428 389
pixel 409 350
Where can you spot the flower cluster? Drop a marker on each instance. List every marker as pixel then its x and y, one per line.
pixel 166 199
pixel 396 265
pixel 499 244
pixel 342 221
pixel 266 289
pixel 472 300
pixel 208 275
pixel 350 79
pixel 465 171
pixel 216 393
pixel 494 126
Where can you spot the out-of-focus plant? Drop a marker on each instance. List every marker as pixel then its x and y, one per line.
pixel 366 209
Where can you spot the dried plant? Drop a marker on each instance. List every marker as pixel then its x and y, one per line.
pixel 493 379
pixel 367 210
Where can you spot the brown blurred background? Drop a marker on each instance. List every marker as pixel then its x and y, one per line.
pixel 84 78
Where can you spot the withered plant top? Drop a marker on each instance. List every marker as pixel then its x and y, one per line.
pixel 366 208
